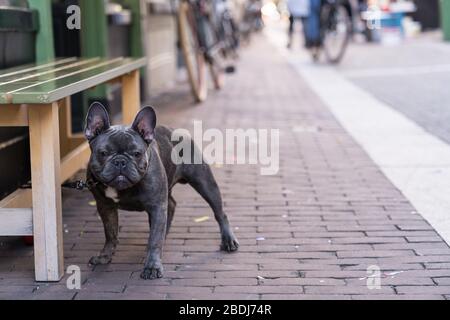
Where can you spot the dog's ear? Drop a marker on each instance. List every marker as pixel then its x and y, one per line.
pixel 97 121
pixel 145 123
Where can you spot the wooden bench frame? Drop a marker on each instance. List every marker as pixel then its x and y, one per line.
pixel 37 211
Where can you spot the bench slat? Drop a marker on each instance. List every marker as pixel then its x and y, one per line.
pixel 66 82
pixel 27 68
pixel 37 75
pixel 49 75
pixel 16 222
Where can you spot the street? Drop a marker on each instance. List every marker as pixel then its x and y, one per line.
pixel 411 77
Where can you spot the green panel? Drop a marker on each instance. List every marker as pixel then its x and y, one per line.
pixel 136 29
pixel 136 35
pixel 94 39
pixel 44 41
pixel 445 18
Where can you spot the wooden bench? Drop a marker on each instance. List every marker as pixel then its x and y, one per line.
pixel 38 96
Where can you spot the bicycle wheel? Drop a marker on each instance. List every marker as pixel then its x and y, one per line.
pixel 193 56
pixel 231 37
pixel 213 42
pixel 336 26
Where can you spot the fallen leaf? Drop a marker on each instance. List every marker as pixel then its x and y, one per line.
pixel 201 219
pixel 393 273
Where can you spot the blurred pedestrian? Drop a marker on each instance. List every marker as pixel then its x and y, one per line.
pixel 308 11
pixel 311 28
pixel 298 11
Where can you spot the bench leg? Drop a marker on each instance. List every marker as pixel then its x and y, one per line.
pixel 65 127
pixel 131 99
pixel 46 190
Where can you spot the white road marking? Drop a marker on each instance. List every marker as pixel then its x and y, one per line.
pixel 415 161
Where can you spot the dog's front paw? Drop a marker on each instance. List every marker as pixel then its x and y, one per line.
pixel 229 243
pixel 152 272
pixel 101 259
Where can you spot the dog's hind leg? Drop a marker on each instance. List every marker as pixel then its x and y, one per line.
pixel 202 180
pixel 170 212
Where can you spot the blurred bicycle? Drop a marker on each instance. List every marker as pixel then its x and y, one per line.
pixel 252 19
pixel 327 26
pixel 208 37
pixel 335 29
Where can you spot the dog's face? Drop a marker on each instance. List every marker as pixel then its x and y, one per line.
pixel 119 156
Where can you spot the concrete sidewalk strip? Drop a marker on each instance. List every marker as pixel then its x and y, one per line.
pixel 416 161
pixel 327 226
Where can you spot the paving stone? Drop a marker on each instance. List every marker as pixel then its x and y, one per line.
pixel 308 232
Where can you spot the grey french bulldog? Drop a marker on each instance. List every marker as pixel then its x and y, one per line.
pixel 131 168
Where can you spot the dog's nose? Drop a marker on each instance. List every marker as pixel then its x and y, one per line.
pixel 120 163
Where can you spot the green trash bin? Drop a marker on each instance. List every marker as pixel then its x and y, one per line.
pixel 445 18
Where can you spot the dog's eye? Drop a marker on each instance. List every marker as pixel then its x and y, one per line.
pixel 103 153
pixel 137 154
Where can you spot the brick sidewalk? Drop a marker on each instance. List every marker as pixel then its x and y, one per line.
pixel 328 215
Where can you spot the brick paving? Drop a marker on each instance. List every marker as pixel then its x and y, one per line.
pixel 325 217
